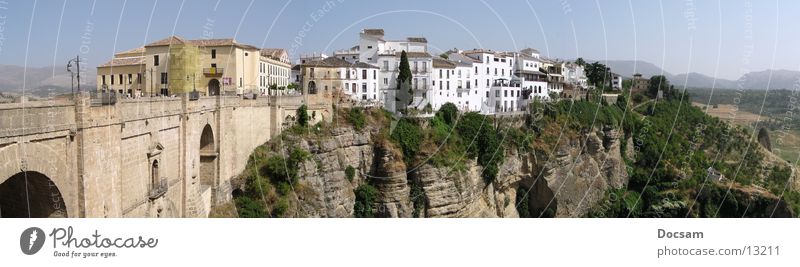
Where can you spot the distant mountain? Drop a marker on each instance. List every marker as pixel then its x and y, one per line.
pixel 695 79
pixel 627 68
pixel 759 80
pixel 779 79
pixel 41 81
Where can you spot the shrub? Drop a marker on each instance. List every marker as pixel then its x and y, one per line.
pixel 280 207
pixel 349 173
pixel 448 112
pixel 357 118
pixel 302 116
pixel 365 201
pixel 249 208
pixel 409 136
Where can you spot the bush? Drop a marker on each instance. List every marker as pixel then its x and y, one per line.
pixel 280 170
pixel 302 116
pixel 280 207
pixel 357 118
pixel 409 136
pixel 448 112
pixel 365 201
pixel 250 208
pixel 349 173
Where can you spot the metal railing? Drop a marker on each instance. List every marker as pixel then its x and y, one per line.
pixel 158 190
pixel 213 71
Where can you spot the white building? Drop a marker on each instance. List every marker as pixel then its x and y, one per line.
pixel 273 69
pixel 373 49
pixel 616 81
pixel 534 81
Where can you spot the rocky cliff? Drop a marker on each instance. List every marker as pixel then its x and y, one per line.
pixel 577 176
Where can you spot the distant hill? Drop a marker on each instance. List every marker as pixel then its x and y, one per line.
pixel 759 80
pixel 41 81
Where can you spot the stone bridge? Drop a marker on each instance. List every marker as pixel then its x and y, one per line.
pixel 142 157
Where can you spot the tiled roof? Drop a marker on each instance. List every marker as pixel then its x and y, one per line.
pixel 124 61
pixel 441 63
pixel 138 50
pixel 364 65
pixel 168 41
pixel 200 42
pixel 275 53
pixel 335 62
pixel 529 51
pixel 415 54
pixel 373 32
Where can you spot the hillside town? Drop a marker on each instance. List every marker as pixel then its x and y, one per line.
pixel 366 74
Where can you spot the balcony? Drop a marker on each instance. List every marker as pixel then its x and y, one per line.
pixel 213 72
pixel 158 190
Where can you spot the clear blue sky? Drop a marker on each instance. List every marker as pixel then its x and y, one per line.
pixel 726 38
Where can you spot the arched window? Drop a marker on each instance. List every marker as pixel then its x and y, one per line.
pixel 312 88
pixel 154 174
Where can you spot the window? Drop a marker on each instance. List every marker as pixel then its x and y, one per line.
pixel 459 84
pixel 369 47
pixel 364 74
pixel 104 80
pixel 476 70
pixel 121 81
pixel 214 65
pixel 155 60
pixel 112 79
pixel 487 70
pixel 240 82
pixel 448 85
pixel 424 66
pixel 364 87
pixel 139 78
pixel 440 74
pixel 374 74
pixel 164 78
pixel 424 83
pixel 213 53
pixel 496 93
pixel 385 81
pixel 130 78
pixel 385 65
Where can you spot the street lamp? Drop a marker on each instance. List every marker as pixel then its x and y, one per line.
pixel 77 61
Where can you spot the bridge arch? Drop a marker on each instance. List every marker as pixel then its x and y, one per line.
pixel 30 194
pixel 208 157
pixel 48 166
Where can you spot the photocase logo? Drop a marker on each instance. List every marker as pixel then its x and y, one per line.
pixel 31 240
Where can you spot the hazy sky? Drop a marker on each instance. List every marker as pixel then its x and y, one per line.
pixel 709 37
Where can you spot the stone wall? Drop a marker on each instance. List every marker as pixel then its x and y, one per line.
pixel 101 157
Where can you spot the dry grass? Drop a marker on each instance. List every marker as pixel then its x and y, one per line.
pixel 730 113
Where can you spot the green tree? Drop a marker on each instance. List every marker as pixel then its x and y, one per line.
pixel 302 116
pixel 405 93
pixel 598 74
pixel 365 201
pixel 409 136
pixel 449 113
pixel 658 83
pixel 580 62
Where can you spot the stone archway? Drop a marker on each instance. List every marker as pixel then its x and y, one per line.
pixel 213 87
pixel 31 194
pixel 312 88
pixel 208 158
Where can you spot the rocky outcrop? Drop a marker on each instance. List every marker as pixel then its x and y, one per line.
pixel 579 174
pixel 389 176
pixel 570 181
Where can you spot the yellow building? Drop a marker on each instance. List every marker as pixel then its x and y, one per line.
pixel 175 65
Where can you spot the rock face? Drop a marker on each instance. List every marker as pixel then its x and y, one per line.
pixel 329 192
pixel 570 182
pixel 579 174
